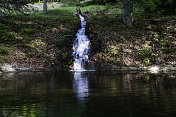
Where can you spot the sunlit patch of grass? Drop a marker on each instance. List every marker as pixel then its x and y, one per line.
pixel 65 10
pixel 60 14
pixel 93 8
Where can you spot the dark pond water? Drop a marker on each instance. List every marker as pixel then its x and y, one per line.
pixel 87 94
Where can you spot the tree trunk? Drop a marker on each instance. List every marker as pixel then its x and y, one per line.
pixel 128 12
pixel 45 7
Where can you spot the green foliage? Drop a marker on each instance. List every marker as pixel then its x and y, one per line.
pixel 6 36
pixel 147 61
pixel 53 5
pixel 113 60
pixel 70 2
pixel 3 26
pixel 64 37
pixel 27 30
pixel 164 42
pixel 101 2
pixel 94 8
pixel 4 50
pixel 11 6
pixel 114 51
pixel 32 53
pixel 30 45
pixel 159 7
pixel 84 4
pixel 63 54
pixel 4 59
pixel 144 53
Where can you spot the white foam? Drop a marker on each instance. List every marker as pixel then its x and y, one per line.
pixel 81 47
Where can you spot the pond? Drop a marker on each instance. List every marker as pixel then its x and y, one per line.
pixel 87 94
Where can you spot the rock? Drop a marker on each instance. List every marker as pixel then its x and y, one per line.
pixel 7 68
pixel 50 47
pixel 143 68
pixel 165 69
pixel 114 67
pixel 125 68
pixel 170 67
pixel 134 68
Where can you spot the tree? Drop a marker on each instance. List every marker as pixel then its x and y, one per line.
pixel 128 12
pixel 45 7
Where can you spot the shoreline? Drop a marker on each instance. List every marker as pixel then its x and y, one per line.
pixel 8 68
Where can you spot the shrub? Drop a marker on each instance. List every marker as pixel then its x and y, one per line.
pixel 6 36
pixel 27 30
pixel 4 50
pixel 70 2
pixel 159 7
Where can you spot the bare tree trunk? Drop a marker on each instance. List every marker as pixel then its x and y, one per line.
pixel 128 12
pixel 45 7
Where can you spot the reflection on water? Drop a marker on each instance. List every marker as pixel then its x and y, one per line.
pixel 87 94
pixel 81 85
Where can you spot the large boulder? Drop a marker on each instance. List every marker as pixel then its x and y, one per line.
pixel 7 68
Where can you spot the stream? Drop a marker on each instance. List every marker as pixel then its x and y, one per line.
pixel 87 94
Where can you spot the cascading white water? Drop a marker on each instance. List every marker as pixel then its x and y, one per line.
pixel 81 47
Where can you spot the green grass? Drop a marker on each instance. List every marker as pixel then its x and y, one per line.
pixel 61 14
pixel 92 8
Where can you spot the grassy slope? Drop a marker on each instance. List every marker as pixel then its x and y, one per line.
pixel 41 41
pixel 148 42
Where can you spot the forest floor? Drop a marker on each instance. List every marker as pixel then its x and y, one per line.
pixel 37 41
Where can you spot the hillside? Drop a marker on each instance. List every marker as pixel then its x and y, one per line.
pixel 36 41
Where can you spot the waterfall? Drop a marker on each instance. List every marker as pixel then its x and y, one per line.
pixel 81 48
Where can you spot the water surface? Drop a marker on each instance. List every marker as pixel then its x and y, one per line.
pixel 87 94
